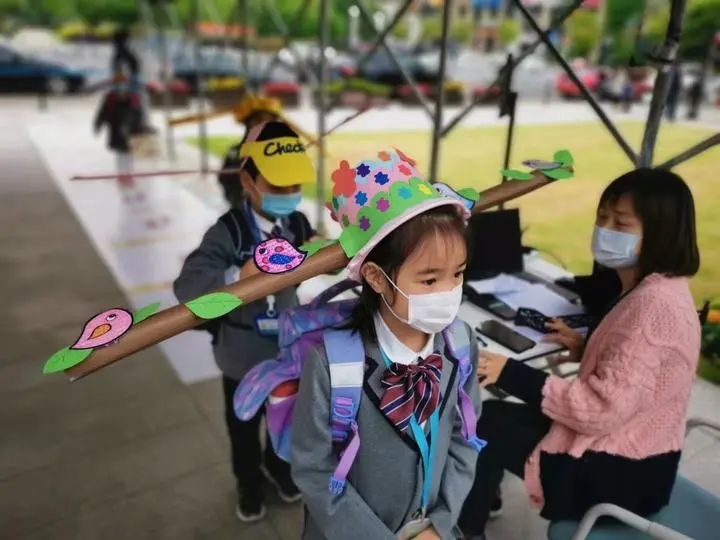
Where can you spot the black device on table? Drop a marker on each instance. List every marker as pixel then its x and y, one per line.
pixel 536 320
pixel 505 336
pixel 496 247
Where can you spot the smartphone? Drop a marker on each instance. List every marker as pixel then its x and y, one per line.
pixel 505 336
pixel 490 303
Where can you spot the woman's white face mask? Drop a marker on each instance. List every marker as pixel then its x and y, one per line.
pixel 429 313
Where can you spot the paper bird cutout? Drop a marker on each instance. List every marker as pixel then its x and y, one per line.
pixel 214 305
pixel 466 196
pixel 558 169
pixel 104 328
pixel 277 256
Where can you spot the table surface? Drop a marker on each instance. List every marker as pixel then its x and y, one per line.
pixel 538 356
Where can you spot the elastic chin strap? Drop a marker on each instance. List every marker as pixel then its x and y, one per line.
pixel 391 282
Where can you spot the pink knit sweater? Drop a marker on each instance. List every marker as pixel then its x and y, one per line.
pixel 631 395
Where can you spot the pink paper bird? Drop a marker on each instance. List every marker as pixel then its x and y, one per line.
pixel 104 328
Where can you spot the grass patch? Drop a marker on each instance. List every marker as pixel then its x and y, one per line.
pixel 557 219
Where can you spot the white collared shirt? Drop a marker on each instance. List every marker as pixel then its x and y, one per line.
pixel 264 224
pixel 395 349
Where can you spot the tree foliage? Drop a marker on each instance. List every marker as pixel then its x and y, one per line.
pixel 583 33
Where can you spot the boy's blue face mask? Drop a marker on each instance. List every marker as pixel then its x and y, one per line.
pixel 280 206
pixel 615 249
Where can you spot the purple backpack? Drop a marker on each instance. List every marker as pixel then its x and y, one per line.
pixel 274 382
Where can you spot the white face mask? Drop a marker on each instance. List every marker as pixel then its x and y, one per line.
pixel 615 249
pixel 430 313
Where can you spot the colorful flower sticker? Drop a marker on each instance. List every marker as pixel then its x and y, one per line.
pixel 404 169
pixel 361 198
pixel 344 179
pixel 381 178
pixel 364 224
pixel 384 156
pixel 383 205
pixel 422 188
pixel 363 170
pixel 405 193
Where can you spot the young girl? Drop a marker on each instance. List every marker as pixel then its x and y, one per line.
pixel 271 180
pixel 413 467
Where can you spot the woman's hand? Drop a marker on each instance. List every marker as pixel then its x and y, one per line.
pixel 428 534
pixel 490 366
pixel 563 335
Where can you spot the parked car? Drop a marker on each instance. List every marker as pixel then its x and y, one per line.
pixel 19 73
pixel 380 68
pixel 593 79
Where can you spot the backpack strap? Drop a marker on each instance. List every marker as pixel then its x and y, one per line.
pixel 346 359
pixel 457 342
pixel 237 225
pixel 300 227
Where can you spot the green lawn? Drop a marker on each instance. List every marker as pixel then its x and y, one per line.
pixel 559 218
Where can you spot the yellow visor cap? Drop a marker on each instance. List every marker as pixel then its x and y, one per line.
pixel 282 161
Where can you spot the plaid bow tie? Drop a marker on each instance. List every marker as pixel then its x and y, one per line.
pixel 411 389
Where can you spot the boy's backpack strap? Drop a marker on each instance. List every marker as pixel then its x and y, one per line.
pixel 346 359
pixel 240 232
pixel 457 342
pixel 300 227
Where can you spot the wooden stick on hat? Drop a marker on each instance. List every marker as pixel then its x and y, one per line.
pixel 177 319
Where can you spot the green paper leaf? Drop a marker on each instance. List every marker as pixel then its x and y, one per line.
pixel 146 312
pixel 558 174
pixel 564 157
pixel 311 248
pixel 65 359
pixel 470 193
pixel 214 305
pixel 516 175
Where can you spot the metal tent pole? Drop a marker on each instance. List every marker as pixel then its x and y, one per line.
pixel 165 79
pixel 629 152
pixel 699 148
pixel 200 83
pixel 324 38
pixel 666 57
pixel 440 94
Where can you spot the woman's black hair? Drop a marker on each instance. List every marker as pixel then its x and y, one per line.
pixel 272 130
pixel 393 250
pixel 664 204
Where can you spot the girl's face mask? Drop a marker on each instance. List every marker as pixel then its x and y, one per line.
pixel 430 313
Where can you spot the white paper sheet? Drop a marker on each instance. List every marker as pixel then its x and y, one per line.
pixel 502 283
pixel 539 297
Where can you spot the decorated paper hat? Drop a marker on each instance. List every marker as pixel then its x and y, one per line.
pixel 252 104
pixel 375 197
pixel 283 160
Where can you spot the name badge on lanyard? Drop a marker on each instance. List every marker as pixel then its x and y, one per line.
pixel 266 325
pixel 428 453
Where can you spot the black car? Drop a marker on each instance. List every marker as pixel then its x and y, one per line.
pixel 20 73
pixel 382 69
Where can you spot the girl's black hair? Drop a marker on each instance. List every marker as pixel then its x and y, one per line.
pixel 664 204
pixel 272 130
pixel 393 250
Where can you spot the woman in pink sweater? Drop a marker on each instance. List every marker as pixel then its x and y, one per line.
pixel 615 433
